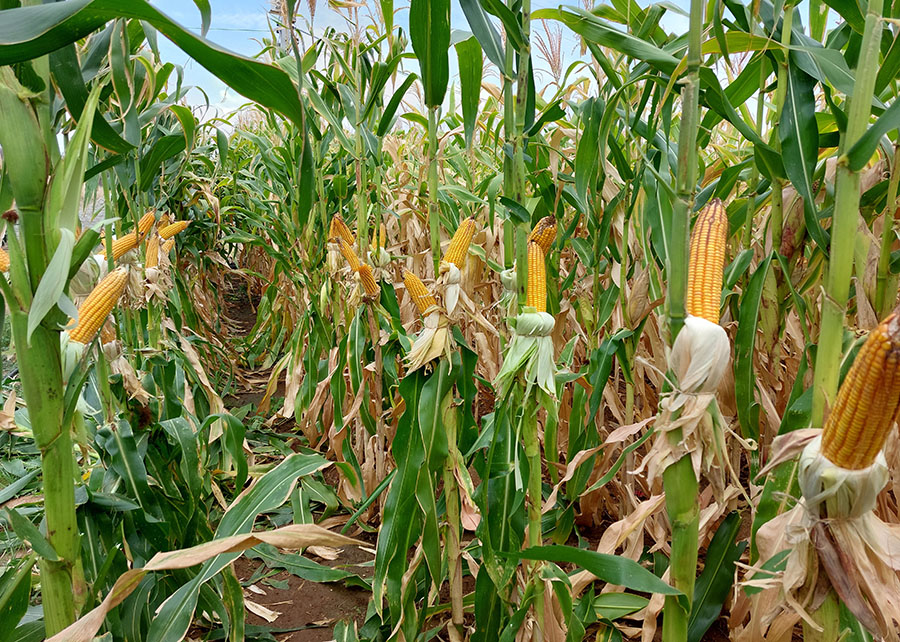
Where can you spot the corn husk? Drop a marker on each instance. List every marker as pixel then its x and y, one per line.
pixel 432 342
pixel 530 352
pixel 699 359
pixel 449 279
pixel 833 529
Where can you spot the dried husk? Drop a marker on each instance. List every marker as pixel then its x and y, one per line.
pixel 432 342
pixel 835 515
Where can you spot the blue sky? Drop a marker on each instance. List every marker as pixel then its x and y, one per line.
pixel 241 25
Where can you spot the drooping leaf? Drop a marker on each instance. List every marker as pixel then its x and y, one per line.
pixel 429 31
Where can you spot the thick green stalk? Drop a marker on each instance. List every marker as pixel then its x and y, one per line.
pixel 434 220
pixel 886 283
pixel 518 145
pixel 680 485
pixel 845 220
pixel 686 177
pixel 362 219
pixel 679 480
pixel 534 499
pixel 41 367
pixel 509 125
pixel 777 215
pixel 451 495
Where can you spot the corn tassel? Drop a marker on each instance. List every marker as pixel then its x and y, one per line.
pixel 459 245
pixel 421 297
pixel 171 230
pixel 4 261
pixel 152 258
pixel 544 233
pixel 349 254
pixel 368 280
pixel 707 262
pixel 536 293
pixel 339 230
pixel 867 402
pixel 98 305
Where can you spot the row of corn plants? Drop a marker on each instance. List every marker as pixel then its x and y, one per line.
pixel 631 295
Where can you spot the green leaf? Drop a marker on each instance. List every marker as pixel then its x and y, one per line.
pixel 468 53
pixel 30 32
pixel 8 492
pixel 615 605
pixel 429 30
pixel 620 571
pixel 486 34
pixel 715 582
pixel 390 110
pixel 205 17
pixel 15 592
pixel 29 534
pixel 512 28
pixel 53 282
pixel 745 340
pixel 587 162
pixel 799 135
pixel 862 151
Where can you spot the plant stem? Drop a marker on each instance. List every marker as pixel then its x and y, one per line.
pixel 41 367
pixel 886 283
pixel 434 222
pixel 451 495
pixel 534 499
pixel 686 176
pixel 681 488
pixel 845 220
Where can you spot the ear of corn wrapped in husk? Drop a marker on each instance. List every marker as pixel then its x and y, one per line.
pixel 698 359
pixel 531 349
pixel 454 261
pixel 833 529
pixel 434 340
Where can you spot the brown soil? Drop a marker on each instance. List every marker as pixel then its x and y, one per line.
pixel 307 611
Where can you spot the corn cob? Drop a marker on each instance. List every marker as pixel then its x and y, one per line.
pixel 459 245
pixel 419 294
pixel 544 233
pixel 121 246
pixel 368 280
pixel 707 262
pixel 349 254
pixel 167 246
pixel 339 229
pixel 171 230
pixel 867 402
pixel 536 293
pixel 4 261
pixel 98 305
pixel 146 223
pixel 152 258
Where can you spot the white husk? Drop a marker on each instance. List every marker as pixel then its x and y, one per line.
pixel 92 270
pixel 843 501
pixel 432 342
pixel 531 352
pixel 699 359
pixel 448 286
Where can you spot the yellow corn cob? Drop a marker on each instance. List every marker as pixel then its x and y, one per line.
pixel 379 238
pixel 122 246
pixel 152 259
pixel 167 246
pixel 867 401
pixel 349 254
pixel 339 229
pixel 419 294
pixel 459 245
pixel 146 223
pixel 544 233
pixel 99 304
pixel 4 261
pixel 536 293
pixel 368 280
pixel 707 263
pixel 171 230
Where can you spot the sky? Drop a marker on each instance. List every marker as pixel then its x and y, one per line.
pixel 241 26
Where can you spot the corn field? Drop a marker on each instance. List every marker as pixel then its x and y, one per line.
pixel 442 337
